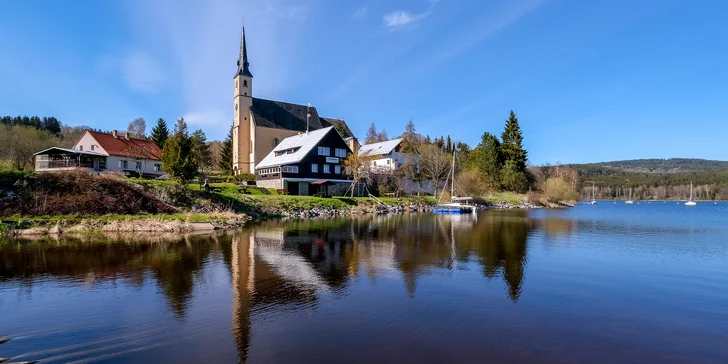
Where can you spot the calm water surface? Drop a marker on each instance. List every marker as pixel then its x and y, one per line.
pixel 609 283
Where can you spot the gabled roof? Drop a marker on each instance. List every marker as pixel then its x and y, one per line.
pixel 379 148
pixel 300 144
pixel 132 147
pixel 69 151
pixel 284 115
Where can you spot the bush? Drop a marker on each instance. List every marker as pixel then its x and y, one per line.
pixel 556 189
pixel 243 177
pixel 470 183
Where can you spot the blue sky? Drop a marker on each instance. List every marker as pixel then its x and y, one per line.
pixel 589 80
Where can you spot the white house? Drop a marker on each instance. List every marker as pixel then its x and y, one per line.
pixel 103 152
pixel 388 154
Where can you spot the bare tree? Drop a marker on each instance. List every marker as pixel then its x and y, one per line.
pixel 138 128
pixel 141 153
pixel 19 143
pixel 358 168
pixel 434 164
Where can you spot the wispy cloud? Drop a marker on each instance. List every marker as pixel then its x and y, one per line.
pixel 199 42
pixel 141 73
pixel 361 13
pixel 401 18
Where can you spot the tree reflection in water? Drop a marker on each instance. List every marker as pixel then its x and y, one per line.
pixel 288 265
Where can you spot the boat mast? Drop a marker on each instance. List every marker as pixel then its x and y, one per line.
pixel 452 187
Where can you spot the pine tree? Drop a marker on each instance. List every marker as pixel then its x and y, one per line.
pixel 178 155
pixel 448 145
pixel 372 135
pixel 203 155
pixel 512 144
pixel 160 133
pixel 226 153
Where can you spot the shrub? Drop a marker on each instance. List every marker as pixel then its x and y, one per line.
pixel 556 189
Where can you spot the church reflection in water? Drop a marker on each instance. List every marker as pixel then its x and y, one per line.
pixel 292 263
pixel 281 266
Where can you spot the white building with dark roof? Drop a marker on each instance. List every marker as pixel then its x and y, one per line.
pixel 260 125
pixel 306 164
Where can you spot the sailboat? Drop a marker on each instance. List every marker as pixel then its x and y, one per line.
pixel 457 205
pixel 630 198
pixel 594 200
pixel 690 201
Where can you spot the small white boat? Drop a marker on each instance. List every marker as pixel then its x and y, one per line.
pixel 690 201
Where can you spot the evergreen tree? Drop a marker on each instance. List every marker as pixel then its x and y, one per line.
pixel 512 144
pixel 226 153
pixel 372 135
pixel 51 125
pixel 160 133
pixel 448 145
pixel 203 155
pixel 178 154
pixel 341 128
pixel 487 159
pixel 513 179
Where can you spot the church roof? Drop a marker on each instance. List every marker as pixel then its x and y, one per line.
pixel 284 115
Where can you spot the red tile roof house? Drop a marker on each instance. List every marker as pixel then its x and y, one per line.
pixel 103 152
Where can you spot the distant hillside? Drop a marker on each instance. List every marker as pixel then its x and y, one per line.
pixel 657 178
pixel 672 165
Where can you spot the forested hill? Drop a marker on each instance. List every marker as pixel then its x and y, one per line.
pixel 657 178
pixel 672 165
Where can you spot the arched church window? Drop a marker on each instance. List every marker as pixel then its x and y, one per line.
pixel 245 83
pixel 236 107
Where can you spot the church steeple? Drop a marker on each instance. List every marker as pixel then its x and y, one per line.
pixel 243 58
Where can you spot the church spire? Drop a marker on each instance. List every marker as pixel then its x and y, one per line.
pixel 243 58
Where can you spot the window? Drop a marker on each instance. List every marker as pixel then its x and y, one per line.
pixel 337 169
pixel 327 168
pixel 123 164
pixel 314 168
pixel 340 152
pixel 80 147
pixel 326 151
pixel 290 169
pixel 139 165
pixel 157 167
pixel 92 147
pixel 275 142
pixel 245 83
pixel 236 107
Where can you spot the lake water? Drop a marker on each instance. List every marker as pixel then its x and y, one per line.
pixel 644 283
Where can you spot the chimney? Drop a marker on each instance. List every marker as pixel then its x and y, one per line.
pixel 114 133
pixel 353 145
pixel 126 135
